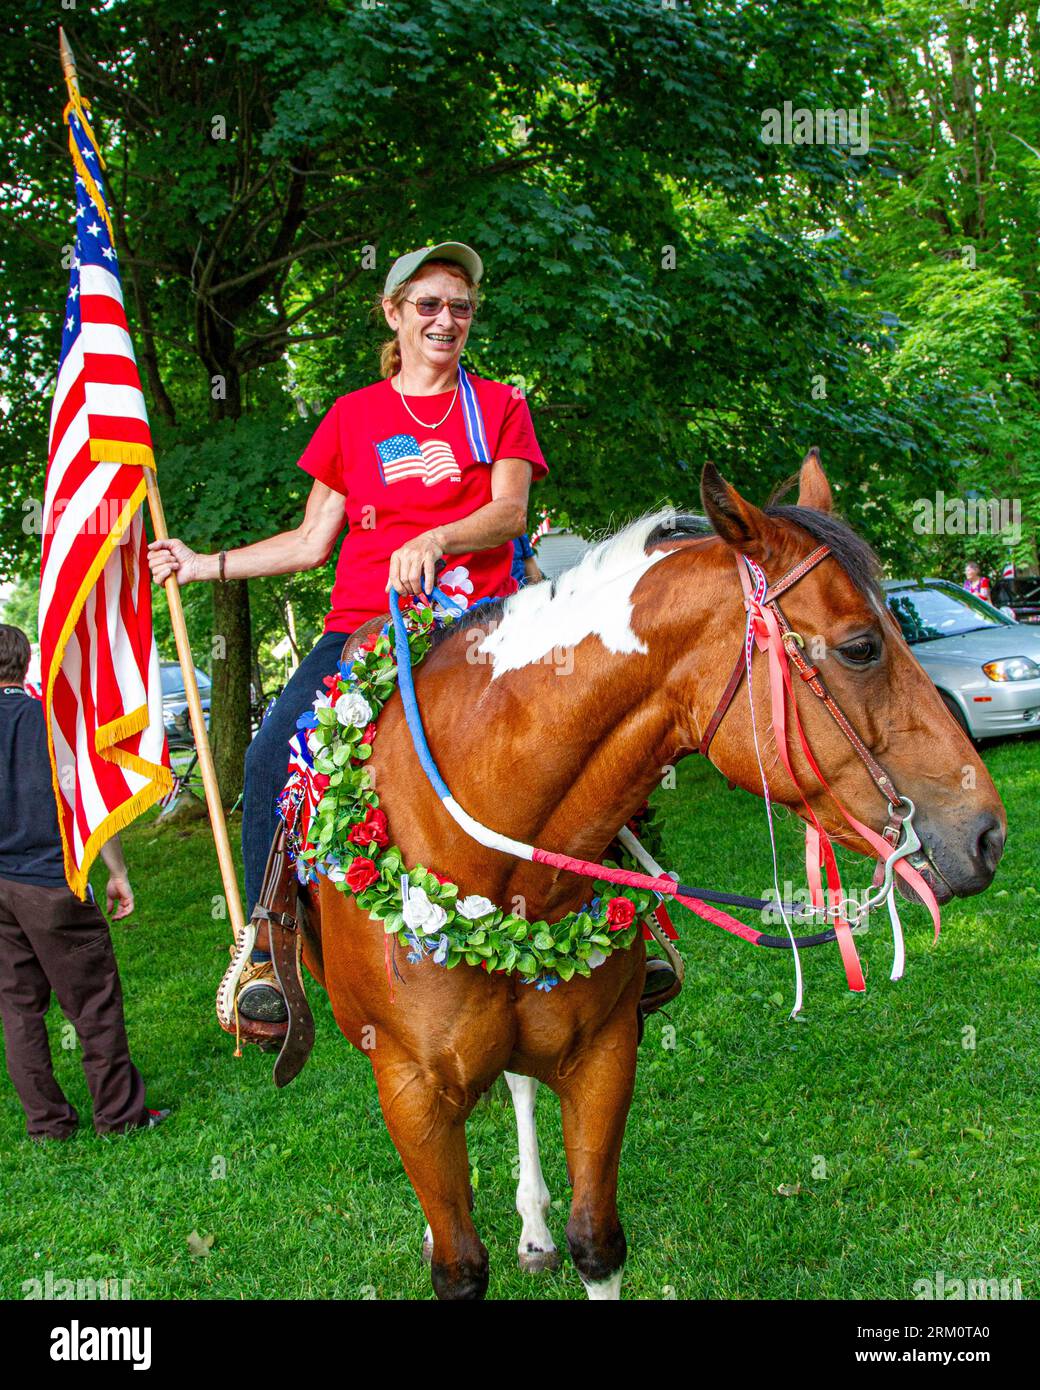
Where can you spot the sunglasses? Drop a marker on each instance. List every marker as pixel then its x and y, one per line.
pixel 428 307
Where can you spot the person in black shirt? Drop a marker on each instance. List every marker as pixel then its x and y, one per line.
pixel 50 940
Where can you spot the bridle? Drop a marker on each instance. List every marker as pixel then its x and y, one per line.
pixel 900 808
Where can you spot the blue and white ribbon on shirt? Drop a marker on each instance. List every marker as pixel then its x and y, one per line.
pixel 474 419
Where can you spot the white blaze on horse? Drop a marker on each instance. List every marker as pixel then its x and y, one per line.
pixel 653 619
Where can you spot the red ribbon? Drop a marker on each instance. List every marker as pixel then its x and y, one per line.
pixel 818 847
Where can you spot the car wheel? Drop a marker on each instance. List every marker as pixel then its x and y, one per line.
pixel 958 714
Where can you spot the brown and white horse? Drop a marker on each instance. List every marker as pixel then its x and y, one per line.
pixel 560 752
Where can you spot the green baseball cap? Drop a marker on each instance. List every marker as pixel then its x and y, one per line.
pixel 405 266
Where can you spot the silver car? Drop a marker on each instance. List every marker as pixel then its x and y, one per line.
pixel 985 666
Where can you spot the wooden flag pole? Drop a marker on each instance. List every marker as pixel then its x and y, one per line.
pixel 68 65
pixel 198 720
pixel 180 633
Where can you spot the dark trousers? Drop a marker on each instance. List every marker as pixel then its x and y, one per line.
pixel 267 759
pixel 49 940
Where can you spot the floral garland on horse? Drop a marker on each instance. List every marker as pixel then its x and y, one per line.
pixel 334 827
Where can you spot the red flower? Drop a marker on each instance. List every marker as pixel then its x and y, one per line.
pixel 373 830
pixel 369 734
pixel 370 641
pixel 329 681
pixel 320 781
pixel 439 877
pixel 620 913
pixel 361 874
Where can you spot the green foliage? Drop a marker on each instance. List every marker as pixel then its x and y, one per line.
pixel 946 240
pixel 19 607
pixel 665 286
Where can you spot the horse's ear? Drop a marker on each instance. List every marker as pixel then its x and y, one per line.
pixel 813 488
pixel 740 524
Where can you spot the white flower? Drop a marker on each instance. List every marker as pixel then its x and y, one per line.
pixel 441 611
pixel 353 708
pixel 596 958
pixel 475 906
pixel 457 578
pixel 336 873
pixel 424 917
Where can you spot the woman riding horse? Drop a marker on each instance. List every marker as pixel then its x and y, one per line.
pixel 427 462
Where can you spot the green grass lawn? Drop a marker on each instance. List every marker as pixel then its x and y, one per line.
pixel 845 1155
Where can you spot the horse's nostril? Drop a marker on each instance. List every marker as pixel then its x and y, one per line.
pixel 989 845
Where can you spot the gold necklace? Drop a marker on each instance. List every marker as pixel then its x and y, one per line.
pixel 411 412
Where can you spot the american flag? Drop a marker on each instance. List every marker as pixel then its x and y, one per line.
pixel 402 456
pixel 99 665
pixel 541 529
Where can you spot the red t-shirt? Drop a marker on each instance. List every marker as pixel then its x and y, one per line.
pixel 400 478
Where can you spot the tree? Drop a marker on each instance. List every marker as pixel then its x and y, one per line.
pixel 950 230
pixel 664 284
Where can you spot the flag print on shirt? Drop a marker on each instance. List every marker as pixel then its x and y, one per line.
pixel 402 456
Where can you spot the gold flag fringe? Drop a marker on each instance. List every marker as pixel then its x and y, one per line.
pixel 77 159
pixel 122 451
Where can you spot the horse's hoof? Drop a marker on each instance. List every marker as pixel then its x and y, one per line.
pixel 538 1261
pixel 427 1252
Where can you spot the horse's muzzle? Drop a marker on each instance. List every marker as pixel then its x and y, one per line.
pixel 962 870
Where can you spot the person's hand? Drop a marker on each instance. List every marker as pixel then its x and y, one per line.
pixel 172 557
pixel 413 567
pixel 118 892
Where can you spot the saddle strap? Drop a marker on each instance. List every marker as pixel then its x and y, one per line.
pixel 281 907
pixel 667 946
pixel 287 957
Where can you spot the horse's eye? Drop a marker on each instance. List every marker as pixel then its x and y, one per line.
pixel 863 651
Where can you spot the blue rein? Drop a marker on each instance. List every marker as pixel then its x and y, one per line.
pixel 406 685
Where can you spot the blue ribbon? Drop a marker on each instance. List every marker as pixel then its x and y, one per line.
pixel 406 685
pixel 474 420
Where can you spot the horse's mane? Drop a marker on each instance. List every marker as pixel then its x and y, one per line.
pixel 619 551
pixel 612 555
pixel 851 551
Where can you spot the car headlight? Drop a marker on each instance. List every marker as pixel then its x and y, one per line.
pixel 1012 668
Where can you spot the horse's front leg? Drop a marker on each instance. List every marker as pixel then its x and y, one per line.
pixel 537 1250
pixel 427 1122
pixel 594 1099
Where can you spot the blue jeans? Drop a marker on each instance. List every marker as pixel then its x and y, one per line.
pixel 267 759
